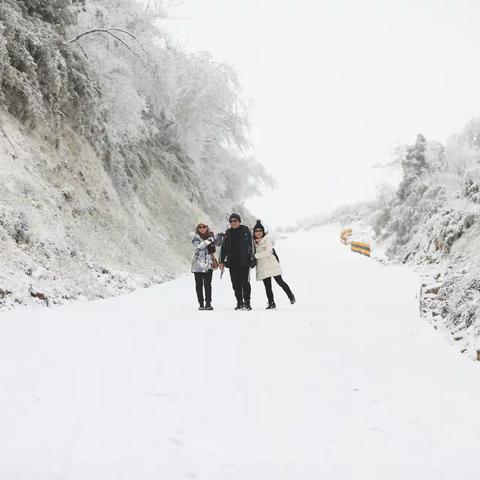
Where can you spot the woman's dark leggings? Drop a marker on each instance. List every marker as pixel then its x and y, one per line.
pixel 204 280
pixel 268 287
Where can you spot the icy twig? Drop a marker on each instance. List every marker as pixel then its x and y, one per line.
pixel 108 31
pixel 4 133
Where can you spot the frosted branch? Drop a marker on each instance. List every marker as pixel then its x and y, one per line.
pixel 108 31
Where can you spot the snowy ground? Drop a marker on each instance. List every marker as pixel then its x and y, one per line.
pixel 348 384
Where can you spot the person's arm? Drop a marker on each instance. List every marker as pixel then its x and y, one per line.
pixel 250 245
pixel 250 248
pixel 219 239
pixel 201 244
pixel 223 250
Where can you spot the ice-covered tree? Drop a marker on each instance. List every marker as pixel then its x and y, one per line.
pixel 106 69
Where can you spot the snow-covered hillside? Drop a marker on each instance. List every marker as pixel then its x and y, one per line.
pixel 348 383
pixel 431 222
pixel 113 144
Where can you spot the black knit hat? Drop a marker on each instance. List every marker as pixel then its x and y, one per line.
pixel 235 215
pixel 259 226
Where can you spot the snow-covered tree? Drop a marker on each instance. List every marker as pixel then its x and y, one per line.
pixel 114 141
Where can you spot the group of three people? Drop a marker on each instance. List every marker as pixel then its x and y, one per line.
pixel 239 252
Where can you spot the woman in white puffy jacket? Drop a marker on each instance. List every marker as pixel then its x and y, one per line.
pixel 268 265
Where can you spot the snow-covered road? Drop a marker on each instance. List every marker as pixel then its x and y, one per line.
pixel 347 384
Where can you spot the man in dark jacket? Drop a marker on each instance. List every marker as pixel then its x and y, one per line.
pixel 237 255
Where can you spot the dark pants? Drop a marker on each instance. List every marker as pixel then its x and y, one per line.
pixel 241 283
pixel 204 280
pixel 268 287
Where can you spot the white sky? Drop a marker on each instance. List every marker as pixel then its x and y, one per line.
pixel 336 83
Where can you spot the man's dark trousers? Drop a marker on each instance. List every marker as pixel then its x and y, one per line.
pixel 241 283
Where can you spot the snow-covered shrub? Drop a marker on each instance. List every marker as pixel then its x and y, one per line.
pixel 471 186
pixel 34 77
pixel 55 12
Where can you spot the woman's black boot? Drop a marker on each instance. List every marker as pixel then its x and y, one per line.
pixel 201 307
pixel 208 306
pixel 239 306
pixel 271 306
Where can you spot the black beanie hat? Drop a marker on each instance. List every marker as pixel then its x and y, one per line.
pixel 235 215
pixel 259 226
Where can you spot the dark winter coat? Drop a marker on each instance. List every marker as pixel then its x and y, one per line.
pixel 237 248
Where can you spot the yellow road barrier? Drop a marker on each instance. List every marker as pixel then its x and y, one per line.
pixel 360 247
pixel 345 234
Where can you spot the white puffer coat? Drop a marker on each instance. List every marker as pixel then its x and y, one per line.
pixel 267 264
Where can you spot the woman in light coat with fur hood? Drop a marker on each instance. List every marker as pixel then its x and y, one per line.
pixel 268 265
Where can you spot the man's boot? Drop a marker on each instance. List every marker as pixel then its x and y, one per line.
pixel 247 305
pixel 239 306
pixel 271 306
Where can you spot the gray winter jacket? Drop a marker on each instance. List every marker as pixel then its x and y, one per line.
pixel 202 260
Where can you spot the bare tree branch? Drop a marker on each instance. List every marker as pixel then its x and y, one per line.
pixel 124 43
pixel 123 31
pixel 83 51
pixel 108 31
pixel 130 35
pixel 4 133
